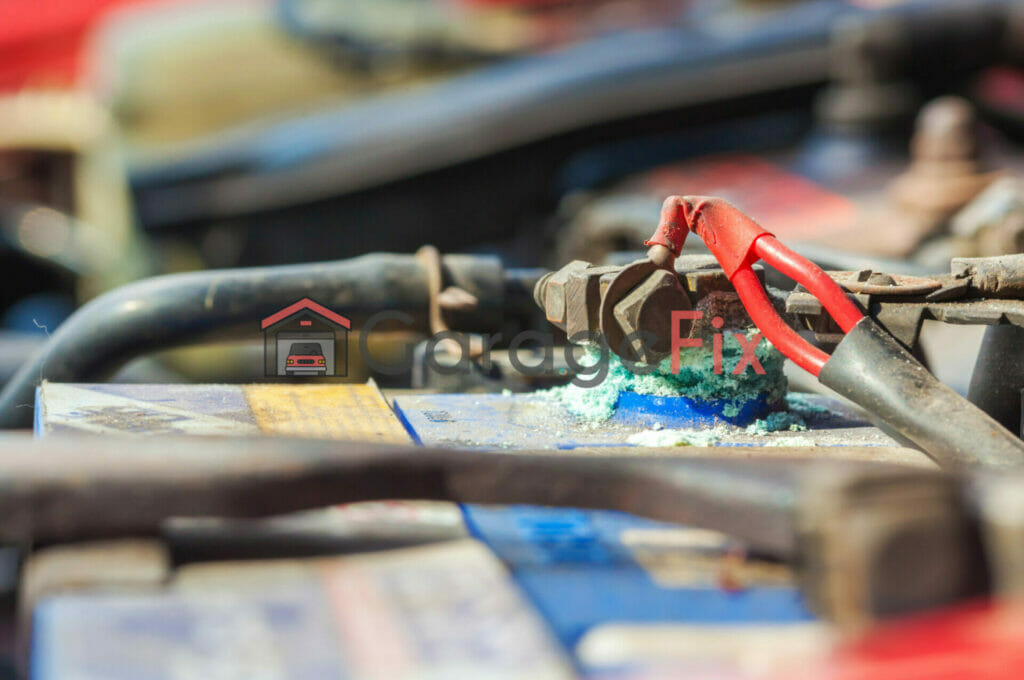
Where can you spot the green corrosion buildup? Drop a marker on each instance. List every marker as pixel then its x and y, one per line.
pixel 696 380
pixel 778 422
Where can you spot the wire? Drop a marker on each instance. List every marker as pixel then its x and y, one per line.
pixel 811 276
pixel 768 321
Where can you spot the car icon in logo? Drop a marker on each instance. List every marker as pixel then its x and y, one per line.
pixel 305 358
pixel 305 339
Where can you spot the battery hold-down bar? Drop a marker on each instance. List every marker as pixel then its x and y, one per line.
pixel 868 366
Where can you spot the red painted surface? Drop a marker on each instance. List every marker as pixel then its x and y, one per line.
pixel 41 40
pixel 1002 87
pixel 977 641
pixel 790 205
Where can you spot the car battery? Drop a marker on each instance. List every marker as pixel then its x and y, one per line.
pixel 553 588
pixel 606 585
pixel 503 421
pixel 593 571
pixel 254 410
pixel 446 611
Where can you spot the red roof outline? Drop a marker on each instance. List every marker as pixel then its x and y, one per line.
pixel 305 303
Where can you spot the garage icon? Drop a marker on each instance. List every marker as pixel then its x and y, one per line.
pixel 305 339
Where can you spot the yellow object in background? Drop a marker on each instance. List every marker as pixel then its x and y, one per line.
pixel 84 220
pixel 175 74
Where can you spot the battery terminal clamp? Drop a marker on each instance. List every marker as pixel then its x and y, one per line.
pixel 868 366
pixel 737 242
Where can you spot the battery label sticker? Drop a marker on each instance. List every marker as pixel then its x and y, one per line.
pixel 143 410
pixel 680 651
pixel 443 612
pixel 280 634
pixel 446 611
pixel 789 205
pixel 682 557
pixel 352 412
pixel 587 568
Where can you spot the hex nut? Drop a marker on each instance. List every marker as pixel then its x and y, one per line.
pixel 646 312
pixel 554 291
pixel 583 301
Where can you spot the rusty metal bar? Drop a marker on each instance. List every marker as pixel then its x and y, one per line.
pixel 61 489
pixel 58 490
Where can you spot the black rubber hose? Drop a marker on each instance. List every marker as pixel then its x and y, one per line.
pixel 873 370
pixel 615 77
pixel 998 376
pixel 182 309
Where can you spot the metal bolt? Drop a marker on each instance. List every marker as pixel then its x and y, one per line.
pixel 946 173
pixel 646 314
pixel 551 290
pixel 946 130
pixel 583 300
pixel 540 289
